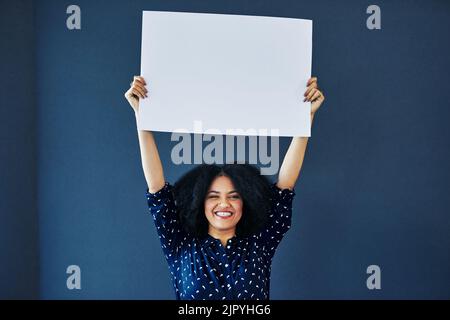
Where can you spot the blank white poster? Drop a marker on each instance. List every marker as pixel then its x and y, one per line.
pixel 225 74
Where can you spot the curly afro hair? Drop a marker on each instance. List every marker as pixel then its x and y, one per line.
pixel 191 189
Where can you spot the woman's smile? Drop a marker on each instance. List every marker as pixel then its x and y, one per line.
pixel 223 214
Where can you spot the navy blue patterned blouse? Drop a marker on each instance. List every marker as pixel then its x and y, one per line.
pixel 203 269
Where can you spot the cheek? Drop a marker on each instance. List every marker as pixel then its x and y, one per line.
pixel 209 206
pixel 238 209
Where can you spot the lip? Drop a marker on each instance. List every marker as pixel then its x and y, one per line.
pixel 223 217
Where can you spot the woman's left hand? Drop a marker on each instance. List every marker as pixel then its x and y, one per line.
pixel 313 95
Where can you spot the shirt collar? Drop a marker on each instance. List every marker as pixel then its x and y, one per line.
pixel 210 240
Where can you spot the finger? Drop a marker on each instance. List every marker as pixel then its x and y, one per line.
pixel 137 93
pixel 139 78
pixel 310 94
pixel 311 80
pixel 140 85
pixel 316 95
pixel 137 88
pixel 312 86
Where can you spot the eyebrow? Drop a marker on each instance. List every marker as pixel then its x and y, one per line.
pixel 214 191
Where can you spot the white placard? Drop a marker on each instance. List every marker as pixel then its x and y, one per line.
pixel 212 73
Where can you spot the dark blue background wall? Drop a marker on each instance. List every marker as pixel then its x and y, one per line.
pixel 375 182
pixel 19 273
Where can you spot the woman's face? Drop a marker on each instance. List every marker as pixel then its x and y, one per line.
pixel 223 206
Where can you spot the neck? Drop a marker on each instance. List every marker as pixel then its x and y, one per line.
pixel 222 235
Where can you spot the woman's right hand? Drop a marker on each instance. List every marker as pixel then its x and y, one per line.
pixel 137 91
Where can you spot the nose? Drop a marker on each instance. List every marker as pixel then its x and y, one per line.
pixel 223 204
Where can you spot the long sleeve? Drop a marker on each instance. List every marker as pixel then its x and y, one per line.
pixel 162 207
pixel 279 221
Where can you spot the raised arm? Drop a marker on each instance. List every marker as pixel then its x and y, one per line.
pixel 293 160
pixel 151 163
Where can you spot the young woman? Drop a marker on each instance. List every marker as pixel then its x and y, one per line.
pixel 219 226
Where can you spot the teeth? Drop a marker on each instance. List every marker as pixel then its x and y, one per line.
pixel 223 213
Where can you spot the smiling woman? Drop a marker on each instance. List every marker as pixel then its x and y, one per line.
pixel 219 226
pixel 222 201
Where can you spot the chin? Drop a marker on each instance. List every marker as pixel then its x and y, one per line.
pixel 225 227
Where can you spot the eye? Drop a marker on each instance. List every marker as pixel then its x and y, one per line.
pixel 235 196
pixel 212 196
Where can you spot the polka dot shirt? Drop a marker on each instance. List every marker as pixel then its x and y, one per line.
pixel 204 269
